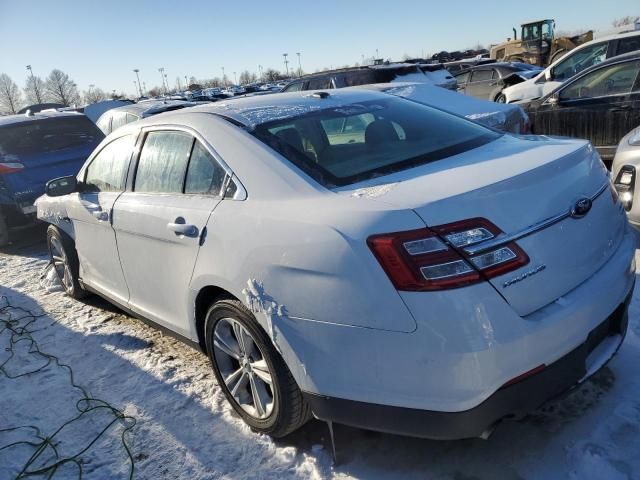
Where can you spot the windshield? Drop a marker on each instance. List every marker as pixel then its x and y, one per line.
pixel 48 135
pixel 341 146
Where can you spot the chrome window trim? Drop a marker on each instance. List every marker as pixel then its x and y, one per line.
pixel 504 238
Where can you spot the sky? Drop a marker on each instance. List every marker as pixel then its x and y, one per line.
pixel 100 43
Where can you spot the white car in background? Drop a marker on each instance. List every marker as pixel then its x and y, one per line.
pixel 574 62
pixel 417 273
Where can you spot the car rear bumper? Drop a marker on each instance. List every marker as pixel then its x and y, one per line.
pixel 467 345
pixel 511 401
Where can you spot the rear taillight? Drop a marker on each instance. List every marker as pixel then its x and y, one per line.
pixel 10 167
pixel 624 186
pixel 435 259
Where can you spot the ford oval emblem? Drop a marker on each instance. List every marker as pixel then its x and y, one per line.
pixel 581 208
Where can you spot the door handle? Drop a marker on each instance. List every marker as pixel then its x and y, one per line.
pixel 181 228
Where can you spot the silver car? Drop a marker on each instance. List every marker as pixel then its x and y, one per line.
pixel 624 172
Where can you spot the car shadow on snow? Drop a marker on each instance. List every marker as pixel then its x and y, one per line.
pixel 184 427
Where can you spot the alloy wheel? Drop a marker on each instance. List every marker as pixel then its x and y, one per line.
pixel 243 367
pixel 60 263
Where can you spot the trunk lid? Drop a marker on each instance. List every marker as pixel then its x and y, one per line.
pixel 517 182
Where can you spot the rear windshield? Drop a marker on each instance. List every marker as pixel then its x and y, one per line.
pixel 341 146
pixel 48 135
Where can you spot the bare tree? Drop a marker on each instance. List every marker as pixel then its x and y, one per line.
pixel 10 96
pixel 628 20
pixel 61 89
pixel 34 90
pixel 247 77
pixel 212 82
pixel 94 95
pixel 271 75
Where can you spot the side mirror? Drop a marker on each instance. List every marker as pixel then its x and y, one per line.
pixel 548 74
pixel 553 99
pixel 61 186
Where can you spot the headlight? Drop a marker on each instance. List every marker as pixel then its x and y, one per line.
pixel 634 139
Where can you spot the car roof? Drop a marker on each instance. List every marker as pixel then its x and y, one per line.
pixel 43 115
pixel 614 36
pixel 250 111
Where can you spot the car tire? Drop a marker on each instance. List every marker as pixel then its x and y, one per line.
pixel 501 98
pixel 283 407
pixel 4 231
pixel 64 258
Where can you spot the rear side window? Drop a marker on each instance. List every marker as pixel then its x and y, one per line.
pixel 119 119
pixel 104 124
pixel 463 77
pixel 319 83
pixel 131 118
pixel 48 135
pixel 163 162
pixel 204 175
pixel 107 172
pixel 628 44
pixel 481 75
pixel 294 87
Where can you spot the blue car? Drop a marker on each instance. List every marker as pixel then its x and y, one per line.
pixel 35 148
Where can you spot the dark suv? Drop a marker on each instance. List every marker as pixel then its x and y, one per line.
pixel 35 148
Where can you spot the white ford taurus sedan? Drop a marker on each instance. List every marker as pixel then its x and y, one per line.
pixel 355 256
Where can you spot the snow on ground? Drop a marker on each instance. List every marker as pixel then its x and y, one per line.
pixel 185 429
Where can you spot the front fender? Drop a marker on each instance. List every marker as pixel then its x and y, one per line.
pixel 53 210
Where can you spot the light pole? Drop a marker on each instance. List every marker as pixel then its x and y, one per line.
pixel 186 82
pixel 135 85
pixel 224 82
pixel 144 88
pixel 137 71
pixel 36 89
pixel 260 73
pixel 166 81
pixel 161 70
pixel 235 78
pixel 286 63
pixel 299 65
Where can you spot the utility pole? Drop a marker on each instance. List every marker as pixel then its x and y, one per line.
pixel 36 88
pixel 138 77
pixel 286 63
pixel 161 70
pixel 299 65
